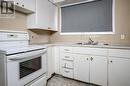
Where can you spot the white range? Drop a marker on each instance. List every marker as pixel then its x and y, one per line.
pixel 21 64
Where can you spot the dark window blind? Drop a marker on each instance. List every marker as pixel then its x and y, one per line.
pixel 87 17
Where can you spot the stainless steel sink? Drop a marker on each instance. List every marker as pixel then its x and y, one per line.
pixel 87 43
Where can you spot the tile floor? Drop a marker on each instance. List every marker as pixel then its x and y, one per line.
pixel 58 80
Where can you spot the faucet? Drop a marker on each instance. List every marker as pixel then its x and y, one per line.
pixel 90 40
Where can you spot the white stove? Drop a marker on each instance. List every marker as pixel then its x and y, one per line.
pixel 25 63
pixel 19 49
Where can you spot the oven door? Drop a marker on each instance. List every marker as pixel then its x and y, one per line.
pixel 26 68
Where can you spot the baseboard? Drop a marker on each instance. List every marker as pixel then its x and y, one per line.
pixel 51 76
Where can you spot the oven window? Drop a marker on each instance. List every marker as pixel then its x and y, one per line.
pixel 29 66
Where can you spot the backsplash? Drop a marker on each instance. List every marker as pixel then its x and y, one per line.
pixel 18 23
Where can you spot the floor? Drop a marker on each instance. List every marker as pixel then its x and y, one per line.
pixel 58 80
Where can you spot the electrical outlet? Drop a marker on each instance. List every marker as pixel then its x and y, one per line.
pixel 122 36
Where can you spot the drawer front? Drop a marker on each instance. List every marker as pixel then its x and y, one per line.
pixel 67 56
pixel 119 53
pixel 85 50
pixel 67 72
pixel 66 49
pixel 67 64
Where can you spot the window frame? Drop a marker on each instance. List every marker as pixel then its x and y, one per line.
pixel 88 33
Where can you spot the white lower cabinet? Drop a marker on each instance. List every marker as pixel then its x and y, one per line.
pixel 91 69
pixel 67 72
pixel 50 62
pixel 56 55
pixel 119 71
pixel 105 67
pixel 98 70
pixel 66 64
pixel 81 67
pixel 53 65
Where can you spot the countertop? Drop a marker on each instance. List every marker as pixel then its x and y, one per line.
pixel 91 46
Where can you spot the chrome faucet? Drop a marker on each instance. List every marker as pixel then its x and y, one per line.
pixel 90 40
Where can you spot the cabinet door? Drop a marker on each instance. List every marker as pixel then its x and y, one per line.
pixel 56 55
pixel 119 72
pixel 29 4
pixel 42 14
pixel 17 2
pixel 81 67
pixel 50 64
pixel 53 16
pixel 98 70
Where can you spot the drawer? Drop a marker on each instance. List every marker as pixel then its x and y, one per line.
pixel 85 50
pixel 66 49
pixel 67 56
pixel 67 72
pixel 91 51
pixel 67 64
pixel 119 53
pixel 41 81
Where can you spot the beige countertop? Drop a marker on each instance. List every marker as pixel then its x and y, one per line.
pixel 90 46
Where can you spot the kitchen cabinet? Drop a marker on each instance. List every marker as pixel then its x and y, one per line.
pixel 92 69
pixel 66 65
pixel 56 55
pixel 101 66
pixel 29 4
pixel 119 71
pixel 25 6
pixel 81 68
pixel 89 64
pixel 45 16
pixel 98 70
pixel 53 16
pixel 50 62
pixel 53 61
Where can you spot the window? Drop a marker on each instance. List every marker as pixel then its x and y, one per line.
pixel 92 17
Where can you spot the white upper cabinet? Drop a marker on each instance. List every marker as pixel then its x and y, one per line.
pixel 53 16
pixel 29 4
pixel 45 16
pixel 25 6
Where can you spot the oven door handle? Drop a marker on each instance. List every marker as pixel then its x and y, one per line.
pixel 17 59
pixel 29 55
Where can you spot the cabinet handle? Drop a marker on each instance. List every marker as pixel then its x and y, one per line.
pixel 65 65
pixel 66 49
pixel 86 58
pixel 22 5
pixel 111 61
pixel 66 71
pixel 17 3
pixel 67 57
pixel 91 58
pixel 49 27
